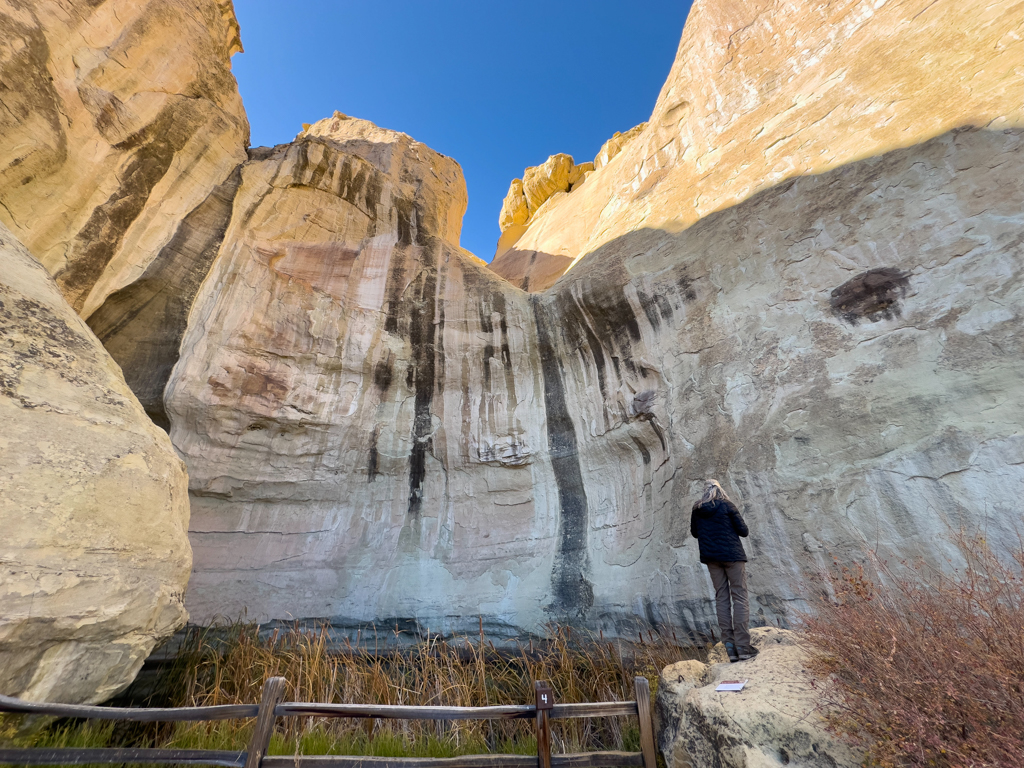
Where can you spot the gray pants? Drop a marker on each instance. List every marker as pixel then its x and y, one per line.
pixel 730 580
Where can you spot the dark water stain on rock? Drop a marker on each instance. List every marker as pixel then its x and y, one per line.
pixel 644 453
pixel 573 593
pixel 374 458
pixel 873 295
pixel 29 100
pixel 422 309
pixel 382 374
pixel 602 321
pixel 142 324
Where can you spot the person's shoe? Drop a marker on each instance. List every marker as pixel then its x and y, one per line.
pixel 730 649
pixel 747 653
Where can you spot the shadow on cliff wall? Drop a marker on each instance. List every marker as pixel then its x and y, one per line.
pixel 650 296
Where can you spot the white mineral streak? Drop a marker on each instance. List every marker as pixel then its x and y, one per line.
pixel 94 556
pixel 766 90
pixel 118 119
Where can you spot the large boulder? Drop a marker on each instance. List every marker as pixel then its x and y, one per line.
pixel 775 720
pixel 765 91
pixel 94 556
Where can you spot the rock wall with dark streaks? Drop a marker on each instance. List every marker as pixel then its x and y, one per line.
pixel 802 277
pixel 355 398
pixel 142 324
pixel 379 430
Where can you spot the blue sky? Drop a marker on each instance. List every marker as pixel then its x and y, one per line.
pixel 497 86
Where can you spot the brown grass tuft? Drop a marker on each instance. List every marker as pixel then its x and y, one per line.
pixel 230 664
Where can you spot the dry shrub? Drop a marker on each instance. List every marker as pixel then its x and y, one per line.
pixel 229 665
pixel 927 665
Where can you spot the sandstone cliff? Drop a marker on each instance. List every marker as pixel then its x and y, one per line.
pixel 118 119
pixel 121 128
pixel 801 277
pixel 379 429
pixel 768 90
pixel 94 556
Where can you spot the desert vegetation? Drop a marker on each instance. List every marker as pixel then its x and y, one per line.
pixel 926 665
pixel 229 665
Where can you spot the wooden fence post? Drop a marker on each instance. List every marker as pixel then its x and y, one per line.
pixel 643 711
pixel 273 693
pixel 545 702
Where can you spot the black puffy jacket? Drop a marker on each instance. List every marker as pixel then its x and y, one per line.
pixel 717 527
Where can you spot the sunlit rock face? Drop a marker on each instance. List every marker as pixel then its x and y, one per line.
pixel 768 90
pixel 800 280
pixel 118 119
pixel 94 557
pixel 356 398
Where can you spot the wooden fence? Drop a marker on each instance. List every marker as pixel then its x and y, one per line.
pixel 272 706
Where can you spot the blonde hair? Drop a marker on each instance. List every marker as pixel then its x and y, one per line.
pixel 712 492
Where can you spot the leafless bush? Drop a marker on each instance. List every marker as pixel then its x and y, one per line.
pixel 925 665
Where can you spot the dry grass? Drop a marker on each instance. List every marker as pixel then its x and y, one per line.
pixel 927 670
pixel 434 672
pixel 230 664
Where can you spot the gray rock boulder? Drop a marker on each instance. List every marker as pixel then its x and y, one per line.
pixel 94 556
pixel 774 721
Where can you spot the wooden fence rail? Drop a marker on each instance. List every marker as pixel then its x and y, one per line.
pixel 271 707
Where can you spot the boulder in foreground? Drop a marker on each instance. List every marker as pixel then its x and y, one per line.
pixel 94 556
pixel 773 721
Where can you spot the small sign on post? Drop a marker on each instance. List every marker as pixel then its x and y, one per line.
pixel 545 696
pixel 545 703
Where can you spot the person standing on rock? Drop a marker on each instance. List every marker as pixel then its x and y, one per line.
pixel 717 526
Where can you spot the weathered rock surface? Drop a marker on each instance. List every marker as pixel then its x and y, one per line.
pixel 540 184
pixel 355 397
pixel 378 429
pixel 775 720
pixel 93 504
pixel 768 90
pixel 614 145
pixel 118 120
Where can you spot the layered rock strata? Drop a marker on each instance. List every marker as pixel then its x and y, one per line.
pixel 119 119
pixel 379 429
pixel 775 720
pixel 93 503
pixel 355 396
pixel 765 91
